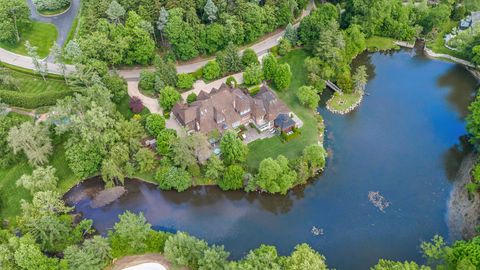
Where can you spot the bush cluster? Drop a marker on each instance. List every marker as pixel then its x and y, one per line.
pixel 31 100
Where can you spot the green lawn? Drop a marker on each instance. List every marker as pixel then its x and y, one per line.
pixel 10 194
pixel 376 43
pixel 33 91
pixel 272 147
pixel 342 103
pixel 41 35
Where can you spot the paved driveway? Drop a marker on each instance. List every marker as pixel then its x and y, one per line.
pixel 63 22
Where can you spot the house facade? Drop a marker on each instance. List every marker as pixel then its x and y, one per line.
pixel 228 108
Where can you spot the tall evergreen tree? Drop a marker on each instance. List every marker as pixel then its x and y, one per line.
pixel 210 11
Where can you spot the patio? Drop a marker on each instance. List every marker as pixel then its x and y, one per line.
pixel 251 134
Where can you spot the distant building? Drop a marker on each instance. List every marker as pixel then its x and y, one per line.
pixel 228 108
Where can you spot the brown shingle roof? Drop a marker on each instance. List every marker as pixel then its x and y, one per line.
pixel 221 108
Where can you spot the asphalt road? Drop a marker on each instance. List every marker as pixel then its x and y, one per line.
pixel 63 22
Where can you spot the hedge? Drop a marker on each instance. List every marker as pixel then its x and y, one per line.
pixel 32 100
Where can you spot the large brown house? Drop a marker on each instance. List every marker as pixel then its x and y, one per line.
pixel 228 107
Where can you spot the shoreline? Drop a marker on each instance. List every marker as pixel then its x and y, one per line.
pixel 347 110
pixel 463 208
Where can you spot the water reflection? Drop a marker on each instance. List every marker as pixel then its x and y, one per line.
pixel 403 141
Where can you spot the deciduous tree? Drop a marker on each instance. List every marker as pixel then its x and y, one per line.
pixel 41 179
pixel 233 150
pixel 33 140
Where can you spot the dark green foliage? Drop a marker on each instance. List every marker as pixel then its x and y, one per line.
pixel 473 121
pixel 32 100
pixel 191 98
pixel 282 77
pixel 170 177
pixel 147 81
pixel 211 70
pixel 312 26
pixel 249 57
pixel 131 235
pixel 117 86
pixel 274 176
pixel 270 66
pixel 165 140
pixel 186 250
pixel 166 72
pixel 169 97
pixel 232 178
pixel 232 149
pixel 229 60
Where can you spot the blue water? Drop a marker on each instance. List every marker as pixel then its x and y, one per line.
pixel 403 141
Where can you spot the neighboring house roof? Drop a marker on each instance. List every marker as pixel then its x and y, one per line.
pixel 225 107
pixel 284 121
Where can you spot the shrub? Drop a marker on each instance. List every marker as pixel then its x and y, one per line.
pixel 253 75
pixel 197 74
pixel 211 70
pixel 136 105
pixel 147 81
pixel 249 57
pixel 32 100
pixel 191 98
pixel 232 178
pixel 51 4
pixel 231 81
pixel 154 124
pixel 185 81
pixel 170 177
pixel 284 47
pixel 282 77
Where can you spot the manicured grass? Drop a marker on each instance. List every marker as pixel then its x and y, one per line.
pixel 342 103
pixel 376 43
pixel 41 35
pixel 272 147
pixel 437 44
pixel 35 84
pixel 33 91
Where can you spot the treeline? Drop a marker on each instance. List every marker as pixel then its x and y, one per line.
pixel 76 246
pixel 126 32
pixel 133 235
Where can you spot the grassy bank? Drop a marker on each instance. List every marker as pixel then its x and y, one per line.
pixel 344 103
pixel 33 91
pixel 272 147
pixel 376 43
pixel 41 35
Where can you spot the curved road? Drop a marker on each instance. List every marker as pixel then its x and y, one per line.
pixel 65 21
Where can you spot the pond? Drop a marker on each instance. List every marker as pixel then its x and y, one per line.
pixel 404 142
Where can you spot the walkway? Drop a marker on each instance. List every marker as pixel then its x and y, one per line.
pixel 129 262
pixel 63 22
